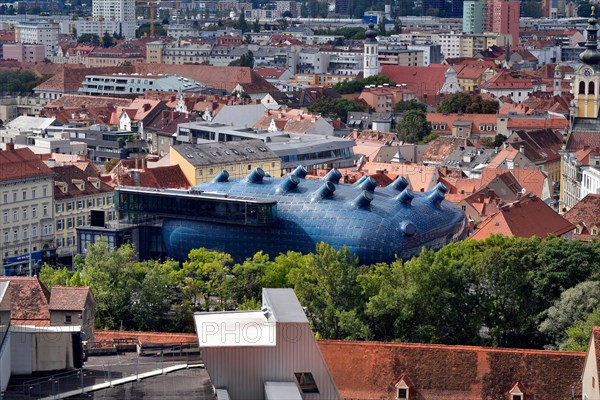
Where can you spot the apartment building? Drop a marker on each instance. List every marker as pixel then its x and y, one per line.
pixel 474 16
pixel 79 197
pixel 27 227
pixel 45 33
pixel 122 11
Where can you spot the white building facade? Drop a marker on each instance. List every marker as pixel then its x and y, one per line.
pixel 44 33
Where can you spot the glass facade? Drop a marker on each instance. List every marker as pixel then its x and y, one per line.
pixel 379 228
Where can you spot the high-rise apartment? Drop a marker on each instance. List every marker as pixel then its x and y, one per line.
pixel 503 18
pixel 122 11
pixel 44 33
pixel 474 16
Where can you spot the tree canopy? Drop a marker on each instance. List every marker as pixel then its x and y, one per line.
pixel 337 108
pixel 414 126
pixel 466 103
pixel 504 292
pixel 358 85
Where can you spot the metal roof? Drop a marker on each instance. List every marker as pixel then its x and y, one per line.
pixel 284 305
pixel 282 391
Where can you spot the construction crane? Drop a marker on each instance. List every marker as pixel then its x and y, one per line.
pixel 151 4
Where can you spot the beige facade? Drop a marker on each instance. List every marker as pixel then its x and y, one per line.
pixel 26 216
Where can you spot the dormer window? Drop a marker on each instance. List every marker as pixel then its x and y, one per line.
pixel 517 392
pixel 402 387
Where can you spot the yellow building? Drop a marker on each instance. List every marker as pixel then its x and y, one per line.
pixel 202 162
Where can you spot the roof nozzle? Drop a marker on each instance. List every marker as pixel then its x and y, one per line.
pixel 222 176
pixel 363 200
pixel 368 184
pixel 400 183
pixel 325 191
pixel 290 182
pixel 360 180
pixel 436 197
pixel 405 197
pixel 408 228
pixel 333 176
pixel 300 172
pixel 256 176
pixel 441 187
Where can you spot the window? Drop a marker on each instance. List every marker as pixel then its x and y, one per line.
pixel 70 206
pixel 44 191
pixel 33 212
pixel 70 223
pixel 79 204
pixel 33 193
pixel 517 397
pixel 25 233
pixel 60 207
pixel 581 87
pixel 45 212
pixel 306 382
pixel 5 218
pixel 249 167
pixel 402 394
pixel 6 240
pixel 24 214
pixel 594 231
pixel 14 197
pixel 5 197
pixel 60 224
pixel 15 235
pixel 591 88
pixel 67 319
pixel 24 195
pixel 15 215
pixel 34 231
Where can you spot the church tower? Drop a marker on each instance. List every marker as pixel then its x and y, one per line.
pixel 587 77
pixel 557 84
pixel 371 56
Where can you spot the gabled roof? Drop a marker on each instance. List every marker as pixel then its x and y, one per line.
pixel 526 217
pixel 167 177
pixel 581 140
pixel 533 180
pixel 369 370
pixel 70 176
pixel 68 298
pixel 419 80
pixel 21 164
pixel 439 149
pixel 586 213
pixel 29 300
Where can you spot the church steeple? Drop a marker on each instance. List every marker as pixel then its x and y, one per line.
pixel 591 55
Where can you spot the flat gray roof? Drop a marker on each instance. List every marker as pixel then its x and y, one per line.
pixel 284 305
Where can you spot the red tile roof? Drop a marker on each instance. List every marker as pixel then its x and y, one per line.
pixel 67 181
pixel 478 121
pixel 586 215
pixel 67 298
pixel 368 371
pixel 146 337
pixel 29 300
pixel 419 80
pixel 526 217
pixel 20 164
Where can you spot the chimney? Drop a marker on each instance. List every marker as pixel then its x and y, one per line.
pixel 146 106
pixel 521 149
pixel 10 146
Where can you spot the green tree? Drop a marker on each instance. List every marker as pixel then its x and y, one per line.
pixel 578 335
pixel 480 106
pixel 158 290
pixel 574 304
pixel 246 60
pixel 413 127
pixel 532 9
pixel 358 85
pixel 109 273
pixel 381 27
pixel 455 103
pixel 107 40
pixel 584 9
pixel 249 276
pixel 90 38
pixel 412 104
pixel 337 108
pixel 256 26
pixel 110 164
pixel 50 277
pixel 207 275
pixel 241 23
pixel 327 287
pixel 499 139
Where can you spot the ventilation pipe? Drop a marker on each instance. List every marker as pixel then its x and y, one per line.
pixel 368 184
pixel 325 191
pixel 405 197
pixel 300 172
pixel 333 176
pixel 408 228
pixel 290 182
pixel 436 197
pixel 360 180
pixel 256 176
pixel 222 176
pixel 400 183
pixel 363 200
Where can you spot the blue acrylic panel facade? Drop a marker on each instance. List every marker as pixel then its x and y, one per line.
pixel 377 225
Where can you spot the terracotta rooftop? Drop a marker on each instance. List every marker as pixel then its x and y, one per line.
pixel 20 164
pixel 419 80
pixel 585 215
pixel 79 101
pixel 439 149
pixel 72 182
pixel 526 217
pixel 29 300
pixel 68 298
pixel 368 371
